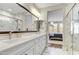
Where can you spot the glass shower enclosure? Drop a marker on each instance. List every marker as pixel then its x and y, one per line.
pixel 71 31
pixel 75 29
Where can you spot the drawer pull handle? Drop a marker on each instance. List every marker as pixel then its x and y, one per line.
pixel 26 54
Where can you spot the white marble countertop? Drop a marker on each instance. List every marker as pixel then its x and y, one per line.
pixel 5 44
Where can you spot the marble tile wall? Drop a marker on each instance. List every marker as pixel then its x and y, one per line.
pixel 67 37
pixel 67 41
pixel 71 38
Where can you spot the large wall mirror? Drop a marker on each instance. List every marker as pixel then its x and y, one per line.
pixel 15 18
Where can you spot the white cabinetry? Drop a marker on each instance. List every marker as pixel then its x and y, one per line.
pixel 32 47
pixel 19 49
pixel 40 44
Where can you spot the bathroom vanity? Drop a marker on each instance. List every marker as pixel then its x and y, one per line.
pixel 20 31
pixel 33 44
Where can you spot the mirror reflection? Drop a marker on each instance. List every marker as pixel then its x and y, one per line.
pixel 15 18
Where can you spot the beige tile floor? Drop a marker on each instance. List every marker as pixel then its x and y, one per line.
pixel 58 51
pixel 55 51
pixel 52 50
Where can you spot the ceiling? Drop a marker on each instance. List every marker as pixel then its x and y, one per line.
pixel 15 9
pixel 11 7
pixel 44 5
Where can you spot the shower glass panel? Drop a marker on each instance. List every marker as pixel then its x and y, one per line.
pixel 71 31
pixel 75 37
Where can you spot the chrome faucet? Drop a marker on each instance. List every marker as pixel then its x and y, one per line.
pixel 10 33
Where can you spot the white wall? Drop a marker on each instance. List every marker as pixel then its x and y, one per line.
pixel 56 15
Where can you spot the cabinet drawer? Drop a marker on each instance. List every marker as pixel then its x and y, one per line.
pixel 16 50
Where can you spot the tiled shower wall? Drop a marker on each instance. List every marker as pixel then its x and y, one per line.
pixel 67 38
pixel 76 28
pixel 71 34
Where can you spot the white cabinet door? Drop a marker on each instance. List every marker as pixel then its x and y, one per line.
pixel 40 44
pixel 32 47
pixel 43 42
pixel 37 46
